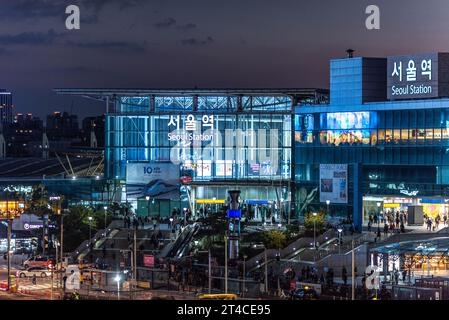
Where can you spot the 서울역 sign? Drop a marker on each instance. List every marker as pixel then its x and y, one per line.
pixel 191 129
pixel 418 76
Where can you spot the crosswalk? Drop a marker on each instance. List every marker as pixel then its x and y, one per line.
pixel 41 286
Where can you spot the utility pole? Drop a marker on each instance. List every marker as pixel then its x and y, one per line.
pixel 353 271
pixel 226 264
pixel 244 274
pixel 135 258
pixel 210 273
pixel 266 270
pixel 9 249
pixel 62 238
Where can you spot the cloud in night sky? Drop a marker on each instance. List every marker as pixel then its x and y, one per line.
pixel 197 42
pixel 187 26
pixel 30 38
pixel 166 23
pixel 116 46
pixel 232 43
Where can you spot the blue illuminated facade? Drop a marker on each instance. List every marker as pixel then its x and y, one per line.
pixel 397 152
pixel 250 147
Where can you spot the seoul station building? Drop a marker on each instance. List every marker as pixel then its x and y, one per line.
pixel 382 143
pixel 175 149
pixel 379 140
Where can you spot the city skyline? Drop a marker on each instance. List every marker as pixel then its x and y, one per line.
pixel 159 44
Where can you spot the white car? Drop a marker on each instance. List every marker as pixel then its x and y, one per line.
pixel 39 272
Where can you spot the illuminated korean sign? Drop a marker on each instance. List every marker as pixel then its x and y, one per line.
pixel 418 77
pixel 191 128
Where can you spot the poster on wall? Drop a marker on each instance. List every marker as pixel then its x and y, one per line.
pixel 156 180
pixel 334 183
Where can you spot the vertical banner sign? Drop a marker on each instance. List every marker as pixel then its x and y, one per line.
pixel 334 183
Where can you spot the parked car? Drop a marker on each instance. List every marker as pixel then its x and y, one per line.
pixel 305 293
pixel 38 261
pixel 41 272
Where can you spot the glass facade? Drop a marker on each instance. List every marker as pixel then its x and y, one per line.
pixel 220 143
pixel 401 147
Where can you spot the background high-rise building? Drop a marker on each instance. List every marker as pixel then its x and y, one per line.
pixel 5 106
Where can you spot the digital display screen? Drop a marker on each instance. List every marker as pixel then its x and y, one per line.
pixel 348 120
pixel 348 127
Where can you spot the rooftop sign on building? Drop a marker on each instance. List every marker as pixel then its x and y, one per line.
pixel 418 76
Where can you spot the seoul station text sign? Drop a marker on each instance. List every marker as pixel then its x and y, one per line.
pixel 418 76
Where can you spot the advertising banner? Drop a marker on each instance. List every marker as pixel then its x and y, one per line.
pixel 157 180
pixel 334 183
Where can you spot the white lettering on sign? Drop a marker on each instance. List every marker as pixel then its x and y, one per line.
pixel 174 121
pixel 411 90
pixel 397 70
pixel 411 71
pixel 426 68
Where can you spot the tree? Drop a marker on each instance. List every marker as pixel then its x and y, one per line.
pixel 317 221
pixel 76 227
pixel 39 203
pixel 274 239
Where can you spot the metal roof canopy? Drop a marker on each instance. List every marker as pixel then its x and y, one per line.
pixel 102 93
pixel 425 247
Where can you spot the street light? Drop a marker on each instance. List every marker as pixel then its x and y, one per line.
pixel 90 237
pixel 339 239
pixel 314 230
pixel 378 218
pixel 105 213
pixel 117 279
pixel 244 271
pixel 328 202
pixel 148 206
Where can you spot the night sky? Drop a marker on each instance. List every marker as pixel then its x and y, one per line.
pixel 203 43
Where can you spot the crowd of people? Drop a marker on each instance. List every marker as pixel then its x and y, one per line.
pixel 392 222
pixel 396 221
pixel 432 223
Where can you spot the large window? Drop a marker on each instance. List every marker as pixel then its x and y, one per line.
pixel 209 145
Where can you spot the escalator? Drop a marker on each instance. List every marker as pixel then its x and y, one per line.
pixel 178 248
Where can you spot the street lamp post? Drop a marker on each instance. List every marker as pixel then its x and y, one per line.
pixel 148 206
pixel 105 214
pixel 90 238
pixel 339 240
pixel 314 230
pixel 266 269
pixel 210 272
pixel 244 275
pixel 8 250
pixel 328 202
pixel 226 263
pixel 378 218
pixel 171 228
